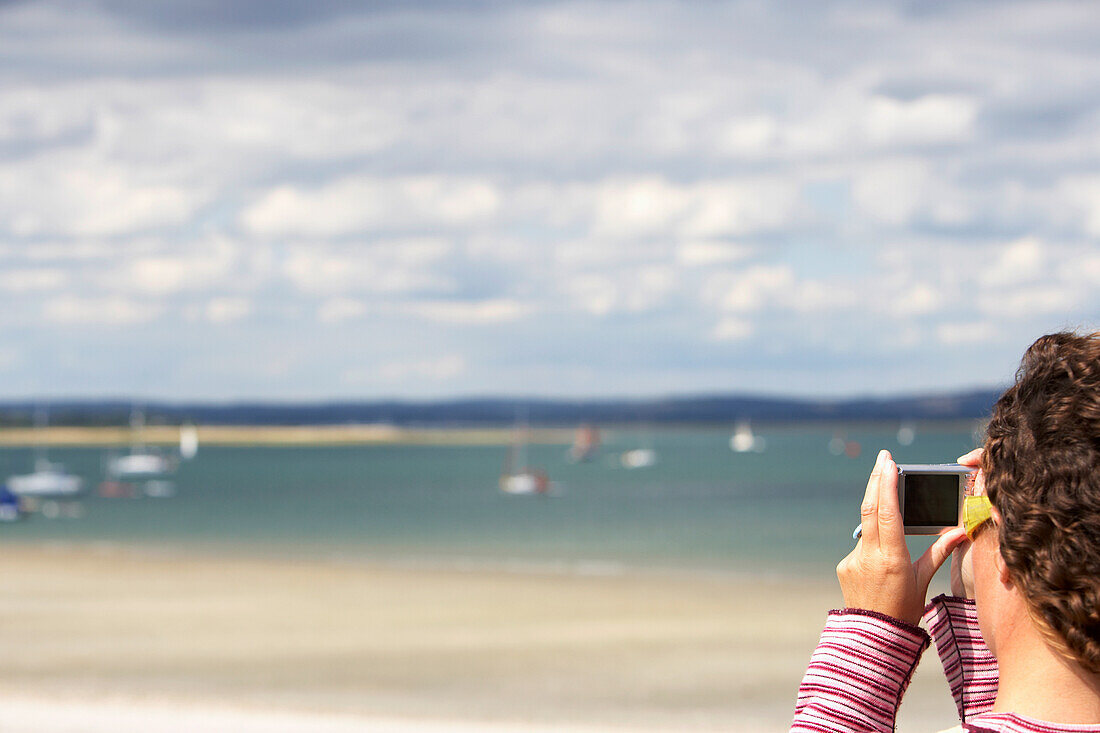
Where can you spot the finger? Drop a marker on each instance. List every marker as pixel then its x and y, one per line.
pixel 979 483
pixel 958 579
pixel 844 565
pixel 890 527
pixel 973 459
pixel 868 510
pixel 935 556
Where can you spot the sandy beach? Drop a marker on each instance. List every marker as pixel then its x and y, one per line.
pixel 99 638
pixel 278 435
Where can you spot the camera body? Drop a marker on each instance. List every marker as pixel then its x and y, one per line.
pixel 931 495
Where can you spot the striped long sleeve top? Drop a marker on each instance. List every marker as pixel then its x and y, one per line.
pixel 864 661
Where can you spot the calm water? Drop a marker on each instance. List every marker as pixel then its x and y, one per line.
pixel 788 510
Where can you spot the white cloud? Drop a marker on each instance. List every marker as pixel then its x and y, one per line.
pixel 370 204
pixel 705 253
pixel 753 136
pixel 893 191
pixel 440 369
pixel 499 310
pixel 1017 262
pixel 628 290
pixel 82 193
pixel 935 118
pixel 594 294
pixel 398 266
pixel 749 290
pixel 1083 194
pixel 457 312
pixel 916 299
pixel 335 310
pixel 652 206
pixel 1030 300
pixel 33 280
pixel 732 328
pixel 104 311
pixel 966 332
pixel 200 267
pixel 227 310
pixel 816 297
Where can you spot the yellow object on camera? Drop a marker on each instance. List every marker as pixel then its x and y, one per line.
pixel 977 510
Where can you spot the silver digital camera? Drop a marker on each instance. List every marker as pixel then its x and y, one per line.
pixel 931 495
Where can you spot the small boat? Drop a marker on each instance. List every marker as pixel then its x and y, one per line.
pixel 586 441
pixel 159 489
pixel 638 458
pixel 137 465
pixel 907 433
pixel 839 445
pixel 527 481
pixel 47 479
pixel 189 441
pixel 140 462
pixel 743 440
pixel 10 509
pixel 517 478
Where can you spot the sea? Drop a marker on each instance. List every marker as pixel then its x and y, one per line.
pixel 787 508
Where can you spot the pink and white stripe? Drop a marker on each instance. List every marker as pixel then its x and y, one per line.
pixel 970 667
pixel 858 673
pixel 864 661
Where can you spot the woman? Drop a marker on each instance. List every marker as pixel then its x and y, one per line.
pixel 1021 644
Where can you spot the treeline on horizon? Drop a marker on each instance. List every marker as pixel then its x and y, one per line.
pixel 486 412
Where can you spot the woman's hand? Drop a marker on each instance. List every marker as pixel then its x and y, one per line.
pixel 878 574
pixel 962 564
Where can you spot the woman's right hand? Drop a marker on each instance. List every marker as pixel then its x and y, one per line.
pixel 962 564
pixel 878 575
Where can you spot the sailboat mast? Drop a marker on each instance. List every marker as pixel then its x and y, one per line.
pixel 137 430
pixel 521 444
pixel 41 421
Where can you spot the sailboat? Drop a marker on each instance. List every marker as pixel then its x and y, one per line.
pixel 907 433
pixel 189 441
pixel 640 457
pixel 586 441
pixel 48 479
pixel 517 478
pixel 10 509
pixel 743 440
pixel 149 467
pixel 140 462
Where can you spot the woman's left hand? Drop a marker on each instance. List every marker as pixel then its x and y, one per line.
pixel 878 575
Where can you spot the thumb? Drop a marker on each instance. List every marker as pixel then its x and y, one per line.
pixel 927 564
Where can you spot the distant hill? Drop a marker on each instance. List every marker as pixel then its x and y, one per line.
pixel 715 409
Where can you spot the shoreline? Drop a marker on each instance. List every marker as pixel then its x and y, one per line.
pixel 277 435
pixel 282 553
pixel 381 434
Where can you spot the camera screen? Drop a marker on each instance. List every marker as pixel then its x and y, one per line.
pixel 931 499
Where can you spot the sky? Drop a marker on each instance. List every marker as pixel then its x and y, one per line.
pixel 265 199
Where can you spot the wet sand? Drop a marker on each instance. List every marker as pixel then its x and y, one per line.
pixel 99 638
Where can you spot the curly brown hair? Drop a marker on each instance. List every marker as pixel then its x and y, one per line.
pixel 1042 472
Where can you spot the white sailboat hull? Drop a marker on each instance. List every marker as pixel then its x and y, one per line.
pixel 521 483
pixel 45 483
pixel 743 440
pixel 639 458
pixel 139 464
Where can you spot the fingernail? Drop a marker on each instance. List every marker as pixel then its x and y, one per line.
pixel 881 457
